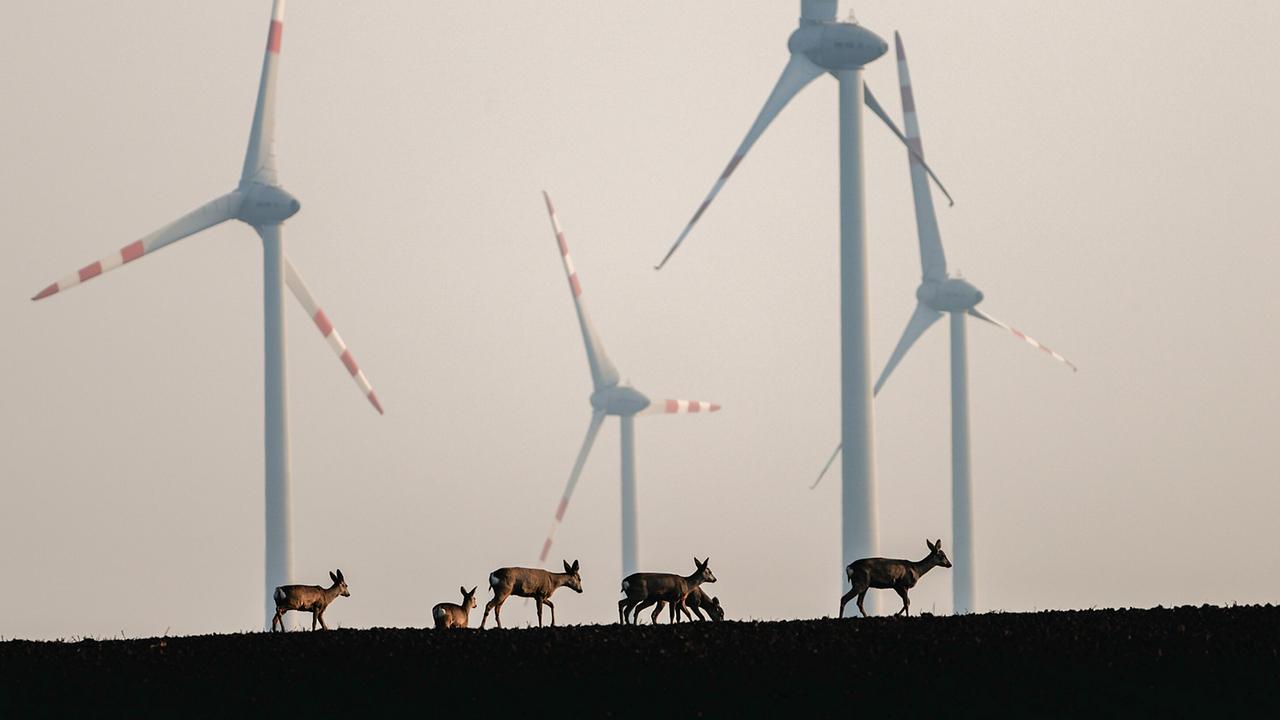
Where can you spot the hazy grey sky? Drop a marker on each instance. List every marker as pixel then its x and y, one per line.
pixel 1115 170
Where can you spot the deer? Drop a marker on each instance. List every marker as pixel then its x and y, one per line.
pixel 698 600
pixel 642 587
pixel 529 583
pixel 883 573
pixel 308 598
pixel 449 615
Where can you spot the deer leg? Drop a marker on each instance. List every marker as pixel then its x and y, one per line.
pixel 320 617
pixel 861 596
pixel 538 601
pixel 645 605
pixel 906 603
pixel 275 620
pixel 551 605
pixel 696 611
pixel 622 618
pixel 844 600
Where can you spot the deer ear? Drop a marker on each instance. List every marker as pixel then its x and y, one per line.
pixel 332 576
pixel 473 590
pixel 929 543
pixel 462 589
pixel 938 544
pixel 575 566
pixel 340 578
pixel 566 566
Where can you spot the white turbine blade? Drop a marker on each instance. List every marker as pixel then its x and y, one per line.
pixel 203 217
pixel 668 407
pixel 933 262
pixel 920 321
pixel 308 301
pixel 260 158
pixel 800 71
pixel 597 419
pixel 874 105
pixel 1022 336
pixel 827 467
pixel 818 10
pixel 603 373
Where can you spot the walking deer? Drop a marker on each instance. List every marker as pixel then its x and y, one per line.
pixel 698 600
pixel 883 573
pixel 642 587
pixel 308 598
pixel 530 583
pixel 449 615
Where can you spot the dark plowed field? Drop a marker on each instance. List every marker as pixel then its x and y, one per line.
pixel 1183 661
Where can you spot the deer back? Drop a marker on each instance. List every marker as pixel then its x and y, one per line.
pixel 303 597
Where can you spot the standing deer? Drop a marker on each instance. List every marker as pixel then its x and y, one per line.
pixel 698 600
pixel 530 583
pixel 882 574
pixel 308 598
pixel 643 587
pixel 448 615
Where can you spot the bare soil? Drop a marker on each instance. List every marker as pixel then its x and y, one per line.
pixel 1175 662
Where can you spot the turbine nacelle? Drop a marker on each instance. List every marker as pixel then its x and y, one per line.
pixel 267 205
pixel 619 400
pixel 836 45
pixel 950 295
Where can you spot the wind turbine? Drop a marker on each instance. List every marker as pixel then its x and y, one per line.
pixel 822 45
pixel 609 397
pixel 941 293
pixel 262 203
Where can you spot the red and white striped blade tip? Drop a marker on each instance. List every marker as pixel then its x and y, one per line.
pixel 373 398
pixel 687 406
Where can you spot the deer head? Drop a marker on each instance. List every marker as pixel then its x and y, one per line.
pixel 704 573
pixel 574 581
pixel 468 597
pixel 936 554
pixel 714 610
pixel 340 583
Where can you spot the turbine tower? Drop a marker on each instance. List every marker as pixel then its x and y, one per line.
pixel 262 203
pixel 609 397
pixel 822 45
pixel 941 293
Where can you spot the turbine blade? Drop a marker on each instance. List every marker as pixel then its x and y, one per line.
pixel 874 105
pixel 827 467
pixel 308 301
pixel 668 407
pixel 800 71
pixel 920 321
pixel 933 262
pixel 260 158
pixel 597 419
pixel 203 217
pixel 1022 336
pixel 818 10
pixel 603 373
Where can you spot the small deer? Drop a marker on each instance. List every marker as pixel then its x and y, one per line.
pixel 698 600
pixel 883 573
pixel 643 587
pixel 449 615
pixel 530 583
pixel 308 598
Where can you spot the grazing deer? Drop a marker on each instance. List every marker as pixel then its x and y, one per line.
pixel 642 587
pixel 882 573
pixel 448 615
pixel 698 600
pixel 308 598
pixel 530 583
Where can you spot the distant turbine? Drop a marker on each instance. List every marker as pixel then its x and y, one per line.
pixel 609 398
pixel 939 293
pixel 820 45
pixel 260 202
